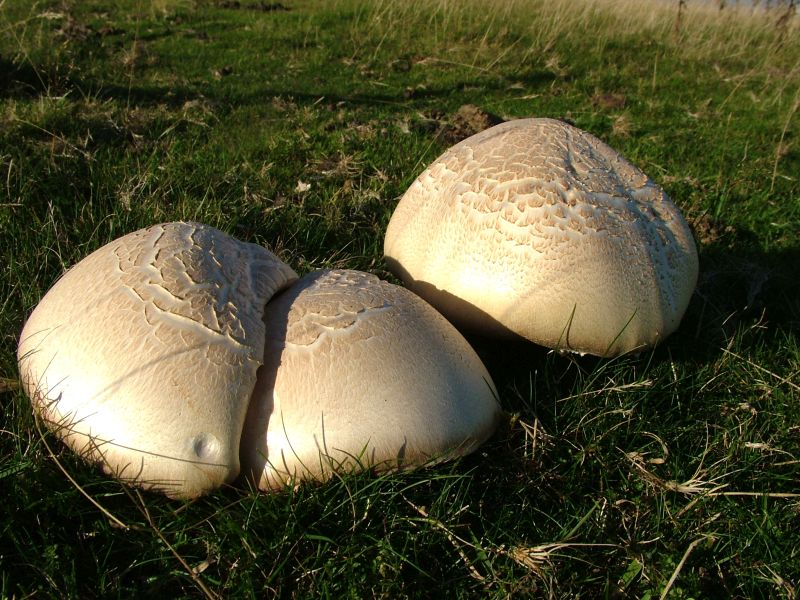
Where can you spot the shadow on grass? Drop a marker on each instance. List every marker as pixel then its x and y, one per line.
pixel 741 288
pixel 27 81
pixel 22 80
pixel 742 284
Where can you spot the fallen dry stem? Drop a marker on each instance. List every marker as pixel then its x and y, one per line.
pixel 757 494
pixel 452 538
pixel 193 573
pixel 536 436
pixel 140 505
pixel 8 385
pixel 696 485
pixel 780 582
pixel 535 558
pixel 69 477
pixel 679 567
pixel 780 379
pixel 625 387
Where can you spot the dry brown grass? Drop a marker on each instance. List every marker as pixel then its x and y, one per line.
pixel 526 29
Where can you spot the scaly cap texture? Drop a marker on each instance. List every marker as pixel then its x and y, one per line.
pixel 143 356
pixel 539 229
pixel 360 373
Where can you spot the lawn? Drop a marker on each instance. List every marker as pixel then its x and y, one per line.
pixel 298 125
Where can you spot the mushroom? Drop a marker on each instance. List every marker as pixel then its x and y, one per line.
pixel 538 229
pixel 164 356
pixel 144 355
pixel 360 373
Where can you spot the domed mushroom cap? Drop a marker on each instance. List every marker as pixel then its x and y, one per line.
pixel 143 356
pixel 361 373
pixel 537 228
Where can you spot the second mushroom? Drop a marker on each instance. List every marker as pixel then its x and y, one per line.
pixel 538 229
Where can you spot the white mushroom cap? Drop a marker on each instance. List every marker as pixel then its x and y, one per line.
pixel 538 228
pixel 143 356
pixel 361 373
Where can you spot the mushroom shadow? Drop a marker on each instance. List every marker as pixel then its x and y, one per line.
pixel 740 284
pixel 253 449
pixel 474 322
pixel 253 455
pixel 461 314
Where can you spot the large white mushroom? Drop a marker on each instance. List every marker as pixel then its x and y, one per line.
pixel 162 356
pixel 143 356
pixel 360 373
pixel 539 229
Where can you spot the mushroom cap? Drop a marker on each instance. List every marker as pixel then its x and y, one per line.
pixel 143 356
pixel 539 229
pixel 360 373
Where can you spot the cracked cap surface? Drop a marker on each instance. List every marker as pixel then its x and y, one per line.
pixel 143 356
pixel 539 229
pixel 360 373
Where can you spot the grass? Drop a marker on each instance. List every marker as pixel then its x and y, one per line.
pixel 673 473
